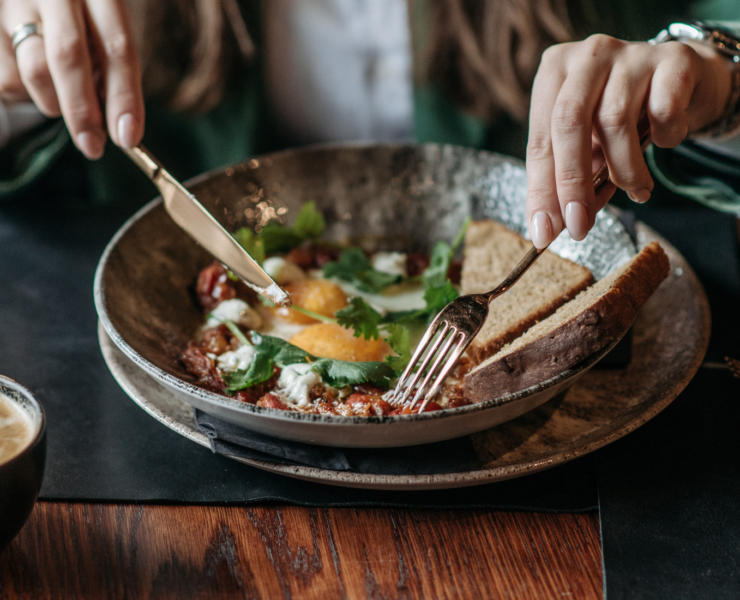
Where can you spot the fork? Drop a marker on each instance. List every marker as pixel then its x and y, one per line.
pixel 455 327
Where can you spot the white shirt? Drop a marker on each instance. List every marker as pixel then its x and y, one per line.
pixel 339 70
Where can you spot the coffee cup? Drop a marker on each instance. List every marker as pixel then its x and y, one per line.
pixel 22 456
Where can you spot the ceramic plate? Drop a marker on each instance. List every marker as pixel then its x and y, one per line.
pixel 670 337
pixel 390 197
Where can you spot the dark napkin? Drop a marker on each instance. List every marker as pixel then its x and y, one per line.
pixel 670 492
pixel 102 447
pixel 451 456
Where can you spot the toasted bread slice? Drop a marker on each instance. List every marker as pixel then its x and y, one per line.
pixel 491 252
pixel 596 317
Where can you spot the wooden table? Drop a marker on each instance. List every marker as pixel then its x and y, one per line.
pixel 90 551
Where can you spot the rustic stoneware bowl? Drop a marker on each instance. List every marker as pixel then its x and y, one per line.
pixel 21 476
pixel 389 197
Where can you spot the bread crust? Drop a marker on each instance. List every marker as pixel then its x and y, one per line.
pixel 563 345
pixel 483 243
pixel 479 353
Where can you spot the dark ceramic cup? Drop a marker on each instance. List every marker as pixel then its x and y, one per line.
pixel 20 477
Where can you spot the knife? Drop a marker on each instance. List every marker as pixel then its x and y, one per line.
pixel 199 224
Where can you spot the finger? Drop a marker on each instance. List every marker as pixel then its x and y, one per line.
pixel 671 89
pixel 11 86
pixel 124 101
pixel 543 210
pixel 571 126
pixel 30 58
pixel 70 66
pixel 616 124
pixel 597 161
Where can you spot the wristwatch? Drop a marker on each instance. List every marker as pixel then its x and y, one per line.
pixel 726 43
pixel 723 41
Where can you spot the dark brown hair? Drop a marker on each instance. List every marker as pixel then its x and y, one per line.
pixel 482 53
pixel 189 66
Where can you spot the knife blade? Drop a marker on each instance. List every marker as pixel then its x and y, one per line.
pixel 196 221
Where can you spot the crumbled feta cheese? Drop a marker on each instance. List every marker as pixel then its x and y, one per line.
pixel 283 271
pixel 295 382
pixel 238 311
pixel 393 263
pixel 236 360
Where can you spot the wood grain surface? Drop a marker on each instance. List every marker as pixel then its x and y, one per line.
pixel 128 551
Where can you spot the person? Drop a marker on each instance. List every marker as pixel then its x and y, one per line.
pixel 264 76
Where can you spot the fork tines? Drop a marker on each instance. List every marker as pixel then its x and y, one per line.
pixel 453 344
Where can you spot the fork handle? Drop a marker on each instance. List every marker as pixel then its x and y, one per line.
pixel 601 178
pixel 516 274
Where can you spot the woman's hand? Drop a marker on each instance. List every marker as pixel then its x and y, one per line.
pixel 586 102
pixel 86 59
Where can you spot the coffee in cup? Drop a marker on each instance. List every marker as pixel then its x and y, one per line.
pixel 22 456
pixel 16 429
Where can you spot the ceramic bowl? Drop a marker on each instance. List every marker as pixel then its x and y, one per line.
pixel 21 476
pixel 392 197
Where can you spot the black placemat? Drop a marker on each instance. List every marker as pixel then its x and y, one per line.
pixel 103 447
pixel 450 456
pixel 670 492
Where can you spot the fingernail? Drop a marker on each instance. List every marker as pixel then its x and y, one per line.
pixel 540 229
pixel 576 220
pixel 91 143
pixel 640 196
pixel 127 131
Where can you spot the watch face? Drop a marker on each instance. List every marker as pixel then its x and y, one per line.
pixel 720 39
pixel 691 31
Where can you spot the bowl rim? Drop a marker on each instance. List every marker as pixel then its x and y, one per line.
pixel 282 415
pixel 40 422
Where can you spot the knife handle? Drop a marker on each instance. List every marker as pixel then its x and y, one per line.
pixel 145 161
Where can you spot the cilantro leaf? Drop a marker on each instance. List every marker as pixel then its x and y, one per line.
pixel 277 239
pixel 461 234
pixel 354 267
pixel 399 340
pixel 439 297
pixel 435 274
pixel 341 373
pixel 251 242
pixel 362 318
pixel 350 261
pixel 309 225
pixel 281 352
pixel 271 351
pixel 309 222
pixel 436 298
pixel 439 263
pixel 373 282
pixel 259 371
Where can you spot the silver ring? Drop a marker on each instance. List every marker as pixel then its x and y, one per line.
pixel 24 31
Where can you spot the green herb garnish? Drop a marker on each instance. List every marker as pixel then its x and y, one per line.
pixel 309 225
pixel 355 268
pixel 271 351
pixel 359 316
pixel 276 238
pixel 365 321
pixel 399 339
pixel 435 275
pixel 251 242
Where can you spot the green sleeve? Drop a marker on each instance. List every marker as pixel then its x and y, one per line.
pixel 26 159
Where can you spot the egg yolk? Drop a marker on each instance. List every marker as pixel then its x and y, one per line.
pixel 317 295
pixel 329 340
